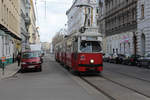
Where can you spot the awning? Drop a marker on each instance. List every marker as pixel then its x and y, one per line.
pixel 2 33
pixel 5 30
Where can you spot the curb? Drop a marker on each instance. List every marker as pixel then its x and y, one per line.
pixel 15 73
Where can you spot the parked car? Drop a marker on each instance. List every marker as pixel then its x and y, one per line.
pixel 144 61
pixel 126 59
pixel 119 59
pixel 106 57
pixel 132 60
pixel 113 58
pixel 31 60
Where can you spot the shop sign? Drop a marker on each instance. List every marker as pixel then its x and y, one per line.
pixel 3 59
pixel 125 39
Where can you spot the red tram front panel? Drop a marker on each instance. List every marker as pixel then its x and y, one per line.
pixel 87 62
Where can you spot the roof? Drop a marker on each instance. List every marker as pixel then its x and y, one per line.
pixel 71 7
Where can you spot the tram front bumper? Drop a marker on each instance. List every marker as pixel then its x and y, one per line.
pixel 90 67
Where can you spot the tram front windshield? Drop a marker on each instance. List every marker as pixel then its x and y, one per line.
pixel 90 46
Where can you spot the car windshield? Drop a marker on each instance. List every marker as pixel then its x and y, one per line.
pixel 30 54
pixel 90 46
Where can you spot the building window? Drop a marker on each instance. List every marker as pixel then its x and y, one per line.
pixel 97 10
pixel 97 23
pixel 89 10
pixel 142 11
pixel 89 22
pixel 113 50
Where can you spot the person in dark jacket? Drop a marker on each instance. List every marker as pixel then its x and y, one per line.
pixel 19 58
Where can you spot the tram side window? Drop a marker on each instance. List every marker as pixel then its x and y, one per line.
pixel 90 46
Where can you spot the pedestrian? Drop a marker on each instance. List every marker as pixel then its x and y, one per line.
pixel 19 58
pixel 42 57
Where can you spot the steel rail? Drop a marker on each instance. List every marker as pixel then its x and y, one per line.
pixel 131 76
pixel 134 90
pixel 98 89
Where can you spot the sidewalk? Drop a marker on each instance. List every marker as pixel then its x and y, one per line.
pixel 9 71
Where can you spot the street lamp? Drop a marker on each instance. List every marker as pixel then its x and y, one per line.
pixel 82 29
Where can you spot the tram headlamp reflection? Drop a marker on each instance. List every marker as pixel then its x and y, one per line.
pixel 91 61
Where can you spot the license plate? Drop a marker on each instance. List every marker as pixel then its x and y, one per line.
pixel 30 66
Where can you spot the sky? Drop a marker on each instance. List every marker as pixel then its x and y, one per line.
pixel 53 20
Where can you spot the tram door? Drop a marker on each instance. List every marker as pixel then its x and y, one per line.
pixel 75 53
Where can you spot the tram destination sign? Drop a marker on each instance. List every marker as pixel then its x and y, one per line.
pixel 91 38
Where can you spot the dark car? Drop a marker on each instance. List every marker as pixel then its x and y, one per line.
pixel 113 58
pixel 31 60
pixel 144 61
pixel 133 59
pixel 125 60
pixel 106 57
pixel 119 59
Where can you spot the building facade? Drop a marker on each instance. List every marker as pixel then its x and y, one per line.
pixel 101 22
pixel 10 38
pixel 45 47
pixel 32 28
pixel 118 23
pixel 83 16
pixel 143 38
pixel 25 23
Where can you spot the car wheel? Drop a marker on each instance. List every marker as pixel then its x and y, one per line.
pixel 22 70
pixel 39 69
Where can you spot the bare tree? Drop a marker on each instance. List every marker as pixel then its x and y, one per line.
pixel 59 37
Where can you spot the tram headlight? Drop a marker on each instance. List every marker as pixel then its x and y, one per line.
pixel 92 61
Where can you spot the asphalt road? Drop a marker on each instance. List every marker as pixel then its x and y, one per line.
pixel 53 83
pixel 117 82
pixel 122 82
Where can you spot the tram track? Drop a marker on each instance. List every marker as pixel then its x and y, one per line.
pixel 98 89
pixel 130 76
pixel 114 82
pixel 134 90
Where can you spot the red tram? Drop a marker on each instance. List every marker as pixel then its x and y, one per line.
pixel 81 53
